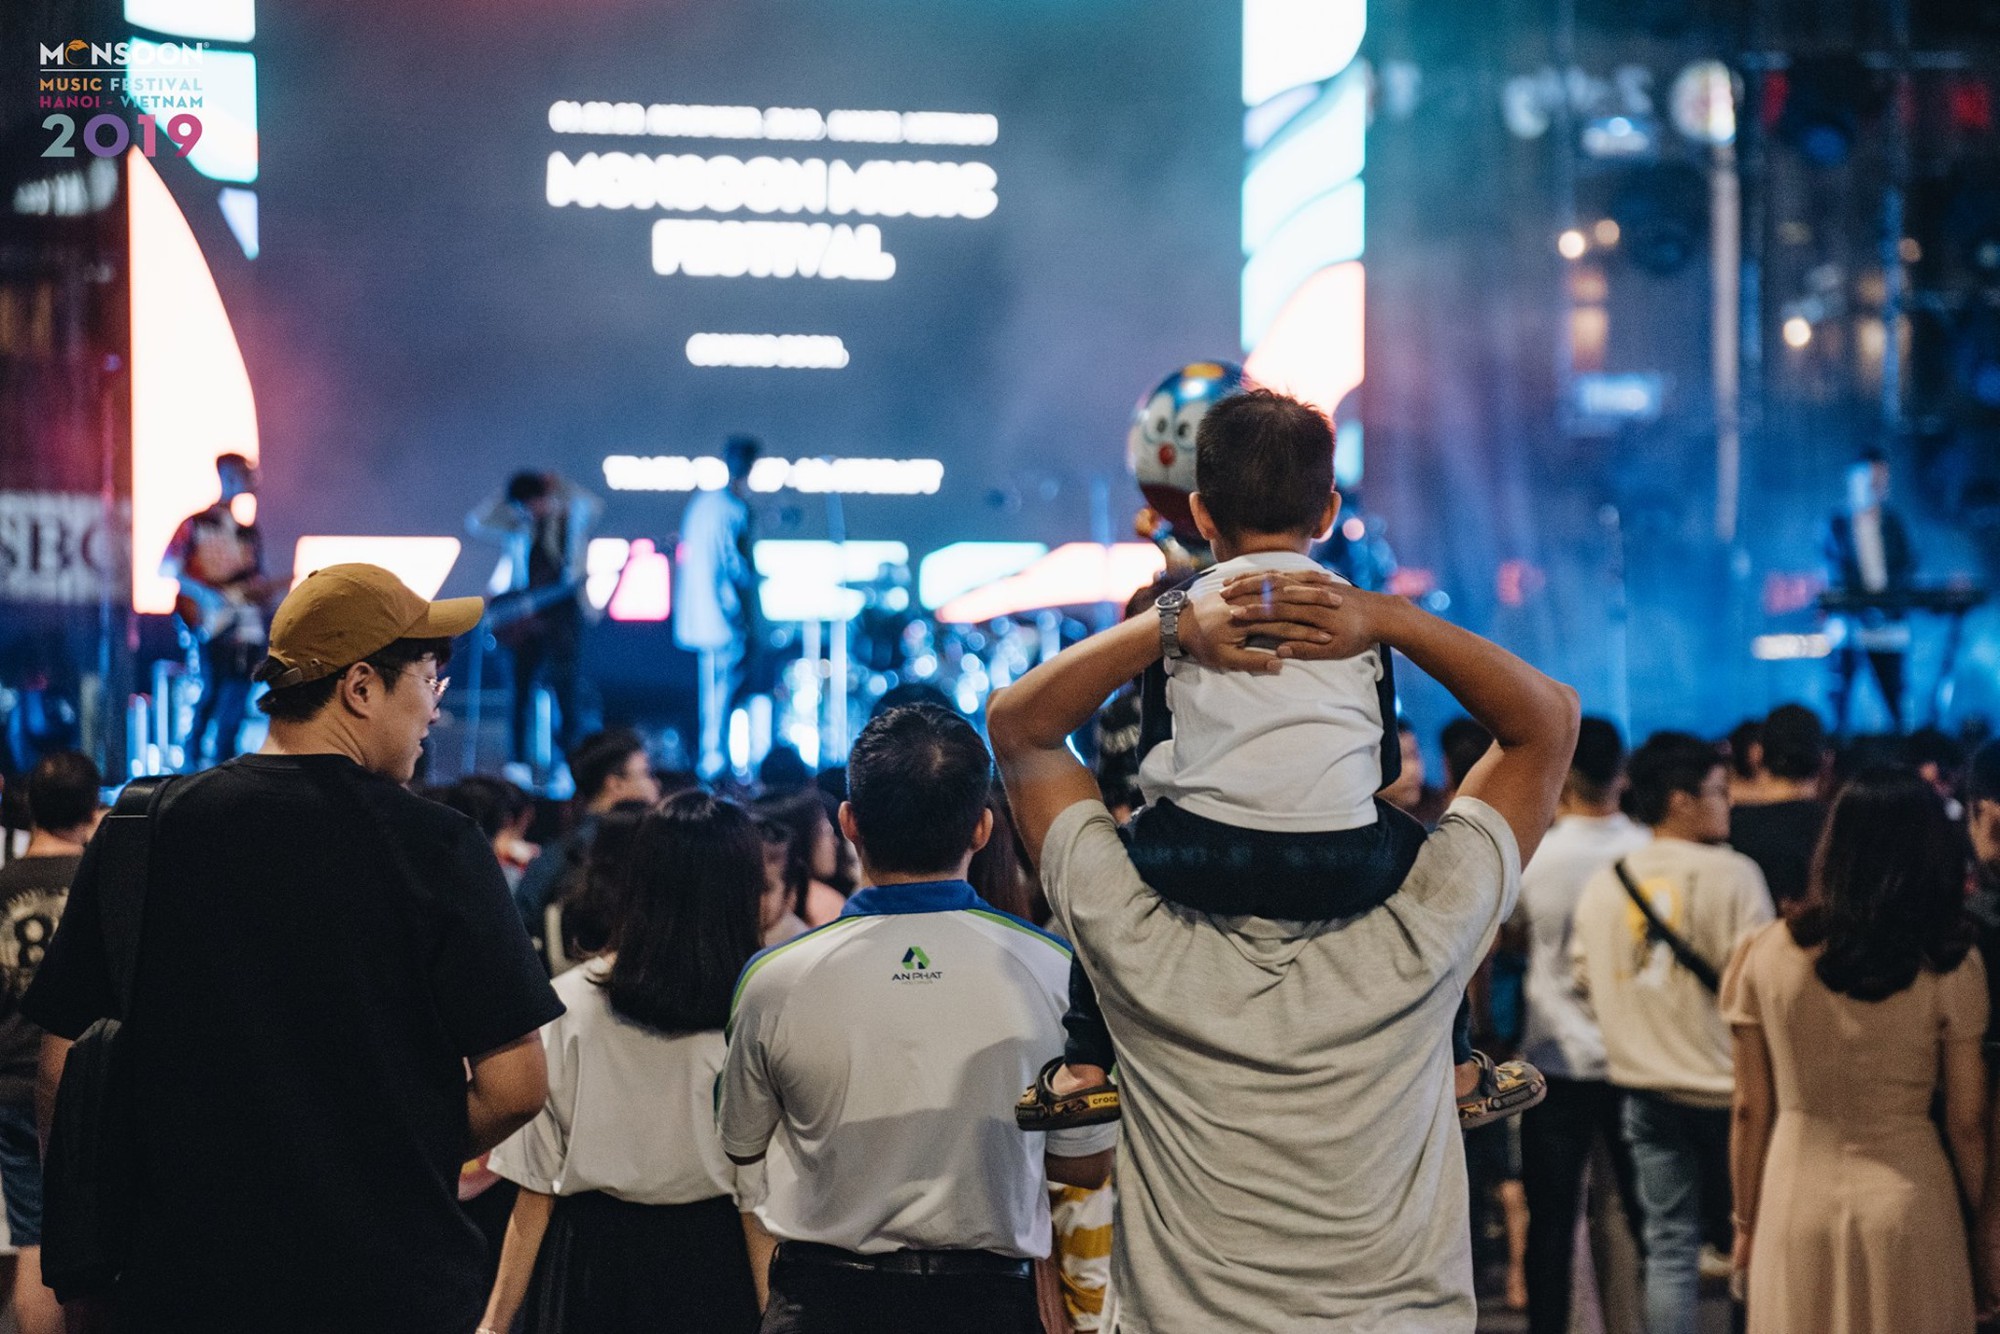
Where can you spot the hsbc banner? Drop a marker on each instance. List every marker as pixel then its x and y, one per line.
pixel 55 547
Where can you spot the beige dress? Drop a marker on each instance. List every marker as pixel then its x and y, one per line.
pixel 1859 1229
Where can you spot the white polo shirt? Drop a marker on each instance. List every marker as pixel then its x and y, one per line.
pixel 878 1060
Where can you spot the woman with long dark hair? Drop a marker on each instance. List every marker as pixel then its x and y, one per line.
pixel 812 860
pixel 1850 1019
pixel 627 1218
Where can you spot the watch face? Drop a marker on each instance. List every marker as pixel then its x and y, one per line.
pixel 1172 600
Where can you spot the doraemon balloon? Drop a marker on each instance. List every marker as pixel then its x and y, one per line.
pixel 1159 448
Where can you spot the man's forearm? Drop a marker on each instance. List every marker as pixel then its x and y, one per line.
pixel 1042 709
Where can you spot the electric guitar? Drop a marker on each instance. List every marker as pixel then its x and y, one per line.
pixel 515 618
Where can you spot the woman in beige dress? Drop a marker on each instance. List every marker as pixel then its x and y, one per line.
pixel 1850 1205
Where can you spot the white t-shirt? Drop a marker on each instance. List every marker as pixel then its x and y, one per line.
pixel 1297 751
pixel 878 1059
pixel 1663 1031
pixel 708 571
pixel 1290 1157
pixel 630 1112
pixel 1561 1037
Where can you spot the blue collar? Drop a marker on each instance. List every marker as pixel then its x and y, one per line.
pixel 918 896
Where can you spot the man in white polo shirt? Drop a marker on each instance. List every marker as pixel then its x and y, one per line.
pixel 878 1059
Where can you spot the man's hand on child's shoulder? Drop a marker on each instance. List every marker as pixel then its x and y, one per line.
pixel 1319 617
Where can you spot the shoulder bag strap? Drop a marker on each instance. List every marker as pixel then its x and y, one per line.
pixel 1684 953
pixel 125 846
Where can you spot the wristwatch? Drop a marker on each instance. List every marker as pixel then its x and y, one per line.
pixel 1170 606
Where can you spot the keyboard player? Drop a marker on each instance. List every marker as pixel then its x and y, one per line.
pixel 1868 551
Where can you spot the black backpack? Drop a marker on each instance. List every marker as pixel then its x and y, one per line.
pixel 89 1169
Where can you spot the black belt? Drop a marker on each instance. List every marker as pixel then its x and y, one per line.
pixel 930 1264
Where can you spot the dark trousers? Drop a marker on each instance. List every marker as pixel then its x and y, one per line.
pixel 812 1298
pixel 225 698
pixel 1557 1138
pixel 1846 665
pixel 549 656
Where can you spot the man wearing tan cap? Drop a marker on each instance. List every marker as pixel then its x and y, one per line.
pixel 335 1003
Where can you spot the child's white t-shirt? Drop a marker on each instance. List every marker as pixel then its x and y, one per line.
pixel 1298 750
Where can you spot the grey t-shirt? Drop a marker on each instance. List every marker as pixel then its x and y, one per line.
pixel 1290 1155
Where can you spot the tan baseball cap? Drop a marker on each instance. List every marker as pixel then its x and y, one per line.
pixel 340 614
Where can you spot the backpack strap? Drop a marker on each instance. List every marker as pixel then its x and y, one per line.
pixel 124 855
pixel 1684 953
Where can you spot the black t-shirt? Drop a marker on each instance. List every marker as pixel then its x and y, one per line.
pixel 320 951
pixel 1780 838
pixel 32 891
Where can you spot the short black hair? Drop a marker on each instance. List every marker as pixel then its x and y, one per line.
pixel 62 790
pixel 1794 742
pixel 491 803
pixel 1263 463
pixel 1465 743
pixel 694 876
pixel 784 770
pixel 1667 763
pixel 1741 737
pixel 298 703
pixel 1872 454
pixel 527 485
pixel 232 462
pixel 1599 757
pixel 917 781
pixel 909 694
pixel 1982 776
pixel 740 453
pixel 597 759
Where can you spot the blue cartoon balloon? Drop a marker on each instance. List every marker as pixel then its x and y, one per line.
pixel 1159 448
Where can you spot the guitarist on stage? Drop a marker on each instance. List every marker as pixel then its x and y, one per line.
pixel 218 557
pixel 544 524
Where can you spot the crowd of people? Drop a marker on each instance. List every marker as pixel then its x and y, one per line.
pixel 1242 1026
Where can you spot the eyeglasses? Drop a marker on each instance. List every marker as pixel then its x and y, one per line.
pixel 436 683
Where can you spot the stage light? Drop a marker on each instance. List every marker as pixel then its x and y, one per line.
pixel 1798 331
pixel 1605 233
pixel 1313 349
pixel 1572 244
pixel 1074 574
pixel 1290 42
pixel 961 567
pixel 1323 233
pixel 1354 529
pixel 424 563
pixel 646 586
pixel 219 20
pixel 191 395
pixel 227 149
pixel 603 561
pixel 1324 142
pixel 1704 102
pixel 1783 648
pixel 809 581
pixel 239 210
